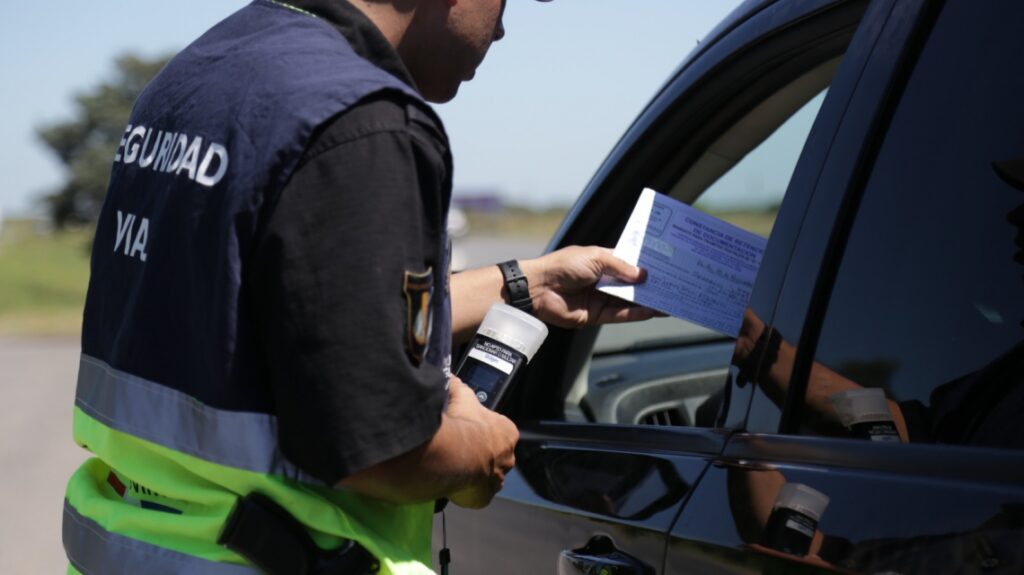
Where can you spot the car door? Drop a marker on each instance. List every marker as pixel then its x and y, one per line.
pixel 620 423
pixel 904 285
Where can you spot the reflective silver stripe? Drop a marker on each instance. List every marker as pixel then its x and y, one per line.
pixel 93 550
pixel 175 420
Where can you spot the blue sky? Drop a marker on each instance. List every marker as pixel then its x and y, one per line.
pixel 545 108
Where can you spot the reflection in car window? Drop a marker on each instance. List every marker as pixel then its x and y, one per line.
pixel 924 331
pixel 668 371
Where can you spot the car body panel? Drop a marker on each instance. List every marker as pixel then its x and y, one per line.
pixel 565 492
pixel 889 511
pixel 701 495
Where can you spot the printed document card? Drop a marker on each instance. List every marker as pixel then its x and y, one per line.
pixel 699 268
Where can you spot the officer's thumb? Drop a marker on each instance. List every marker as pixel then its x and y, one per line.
pixel 460 395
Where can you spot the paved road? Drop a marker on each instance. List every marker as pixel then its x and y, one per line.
pixel 37 455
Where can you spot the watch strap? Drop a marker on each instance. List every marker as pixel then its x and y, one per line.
pixel 517 286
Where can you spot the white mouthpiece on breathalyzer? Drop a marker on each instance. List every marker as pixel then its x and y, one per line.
pixel 514 328
pixel 861 404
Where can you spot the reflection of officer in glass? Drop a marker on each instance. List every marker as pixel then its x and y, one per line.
pixel 776 518
pixel 824 384
pixel 980 408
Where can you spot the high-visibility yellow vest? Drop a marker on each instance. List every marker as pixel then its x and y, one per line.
pixel 142 507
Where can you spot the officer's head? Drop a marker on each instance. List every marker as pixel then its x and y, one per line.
pixel 447 40
pixel 442 42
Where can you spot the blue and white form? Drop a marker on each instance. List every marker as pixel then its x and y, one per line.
pixel 699 268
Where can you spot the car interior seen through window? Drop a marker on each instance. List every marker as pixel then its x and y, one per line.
pixel 668 371
pixel 923 337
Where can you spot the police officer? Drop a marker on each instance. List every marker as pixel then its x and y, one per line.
pixel 269 310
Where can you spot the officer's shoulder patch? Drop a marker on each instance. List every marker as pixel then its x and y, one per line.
pixel 419 291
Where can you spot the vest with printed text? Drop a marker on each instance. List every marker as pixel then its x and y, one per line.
pixel 170 398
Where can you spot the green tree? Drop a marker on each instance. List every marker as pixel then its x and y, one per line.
pixel 86 144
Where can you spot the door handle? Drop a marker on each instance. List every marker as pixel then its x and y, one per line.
pixel 600 557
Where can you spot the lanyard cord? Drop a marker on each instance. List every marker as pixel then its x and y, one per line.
pixel 445 557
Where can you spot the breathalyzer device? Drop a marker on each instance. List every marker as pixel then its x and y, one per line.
pixel 506 340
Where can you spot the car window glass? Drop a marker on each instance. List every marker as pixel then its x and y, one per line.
pixel 668 371
pixel 923 338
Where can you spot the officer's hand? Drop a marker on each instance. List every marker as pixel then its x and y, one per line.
pixel 562 286
pixel 495 436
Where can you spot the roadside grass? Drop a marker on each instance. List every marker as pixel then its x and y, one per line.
pixel 516 222
pixel 43 279
pixel 759 223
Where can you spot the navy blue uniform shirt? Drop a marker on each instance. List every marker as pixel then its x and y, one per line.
pixel 367 204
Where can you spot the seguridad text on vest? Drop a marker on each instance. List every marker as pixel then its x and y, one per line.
pixel 173 152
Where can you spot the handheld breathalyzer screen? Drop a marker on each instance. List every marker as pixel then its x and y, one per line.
pixel 485 380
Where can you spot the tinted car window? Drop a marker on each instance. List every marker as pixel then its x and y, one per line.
pixel 922 338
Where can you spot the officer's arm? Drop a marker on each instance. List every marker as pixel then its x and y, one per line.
pixel 327 287
pixel 561 285
pixel 466 459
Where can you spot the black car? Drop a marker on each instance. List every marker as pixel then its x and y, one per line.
pixel 889 136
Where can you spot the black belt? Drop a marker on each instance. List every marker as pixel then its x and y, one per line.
pixel 268 536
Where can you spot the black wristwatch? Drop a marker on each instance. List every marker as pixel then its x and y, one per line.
pixel 517 286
